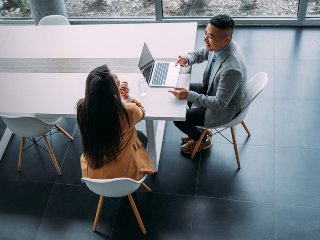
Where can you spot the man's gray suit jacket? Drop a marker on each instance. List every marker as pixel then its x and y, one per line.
pixel 226 88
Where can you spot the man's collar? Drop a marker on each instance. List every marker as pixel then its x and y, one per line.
pixel 219 53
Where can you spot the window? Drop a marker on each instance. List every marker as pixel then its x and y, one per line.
pixel 14 8
pixel 241 8
pixel 110 8
pixel 313 8
pixel 287 12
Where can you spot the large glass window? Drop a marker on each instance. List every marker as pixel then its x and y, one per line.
pixel 110 8
pixel 313 8
pixel 243 8
pixel 264 11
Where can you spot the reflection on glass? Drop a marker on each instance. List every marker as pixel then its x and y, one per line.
pixel 14 8
pixel 86 8
pixel 110 8
pixel 313 9
pixel 243 8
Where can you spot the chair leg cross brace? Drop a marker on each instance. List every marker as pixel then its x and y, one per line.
pixel 234 142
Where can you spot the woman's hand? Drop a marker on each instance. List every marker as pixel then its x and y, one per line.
pixel 124 90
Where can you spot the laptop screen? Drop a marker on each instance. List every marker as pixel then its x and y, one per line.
pixel 146 62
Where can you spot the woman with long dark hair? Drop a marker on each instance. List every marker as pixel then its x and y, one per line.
pixel 111 146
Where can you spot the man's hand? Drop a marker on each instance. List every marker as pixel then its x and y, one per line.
pixel 183 61
pixel 180 93
pixel 124 90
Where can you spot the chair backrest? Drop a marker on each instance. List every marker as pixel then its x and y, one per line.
pixel 254 87
pixel 54 20
pixel 116 187
pixel 27 126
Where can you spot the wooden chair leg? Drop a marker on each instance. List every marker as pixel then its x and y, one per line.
pixel 235 146
pixel 245 127
pixel 98 213
pixel 63 132
pixel 136 213
pixel 22 142
pixel 196 147
pixel 146 187
pixel 53 158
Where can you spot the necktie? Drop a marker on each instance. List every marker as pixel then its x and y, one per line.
pixel 214 59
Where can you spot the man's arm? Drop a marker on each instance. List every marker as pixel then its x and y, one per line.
pixel 198 56
pixel 228 84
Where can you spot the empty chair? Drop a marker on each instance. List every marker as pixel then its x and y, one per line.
pixel 54 20
pixel 33 127
pixel 117 187
pixel 254 87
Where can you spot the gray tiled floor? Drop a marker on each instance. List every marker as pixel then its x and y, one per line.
pixel 275 195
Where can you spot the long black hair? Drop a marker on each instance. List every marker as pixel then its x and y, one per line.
pixel 99 117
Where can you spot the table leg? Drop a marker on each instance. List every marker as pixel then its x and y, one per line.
pixel 4 141
pixel 155 141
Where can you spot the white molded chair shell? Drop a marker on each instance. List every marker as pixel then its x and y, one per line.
pixel 254 87
pixel 54 20
pixel 29 126
pixel 116 187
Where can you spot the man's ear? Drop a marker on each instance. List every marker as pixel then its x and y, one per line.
pixel 227 38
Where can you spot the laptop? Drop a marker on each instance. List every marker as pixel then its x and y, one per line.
pixel 158 74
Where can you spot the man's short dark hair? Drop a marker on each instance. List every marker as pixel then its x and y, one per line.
pixel 223 22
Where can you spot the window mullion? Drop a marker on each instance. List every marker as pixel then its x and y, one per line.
pixel 302 10
pixel 158 10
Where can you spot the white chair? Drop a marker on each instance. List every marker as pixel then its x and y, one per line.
pixel 254 87
pixel 54 20
pixel 33 127
pixel 117 187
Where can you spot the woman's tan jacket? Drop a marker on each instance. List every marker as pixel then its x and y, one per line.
pixel 132 161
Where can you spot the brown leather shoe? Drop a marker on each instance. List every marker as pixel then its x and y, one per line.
pixel 188 147
pixel 186 138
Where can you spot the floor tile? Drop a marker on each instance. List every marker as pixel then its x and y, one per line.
pixel 256 43
pixel 296 123
pixel 229 220
pixel 260 122
pixel 267 66
pixel 297 223
pixel 297 176
pixel 219 177
pixel 70 214
pixel 297 79
pixel 2 128
pixel 165 216
pixel 300 43
pixel 177 172
pixel 22 205
pixel 71 168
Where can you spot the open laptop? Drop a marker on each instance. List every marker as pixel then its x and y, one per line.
pixel 158 74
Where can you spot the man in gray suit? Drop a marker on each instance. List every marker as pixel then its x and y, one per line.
pixel 221 95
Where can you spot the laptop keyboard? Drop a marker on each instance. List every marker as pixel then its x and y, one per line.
pixel 160 74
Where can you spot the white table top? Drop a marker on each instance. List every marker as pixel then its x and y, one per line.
pixel 165 40
pixel 48 94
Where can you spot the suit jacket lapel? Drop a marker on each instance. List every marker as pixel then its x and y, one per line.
pixel 207 71
pixel 217 65
pixel 214 72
